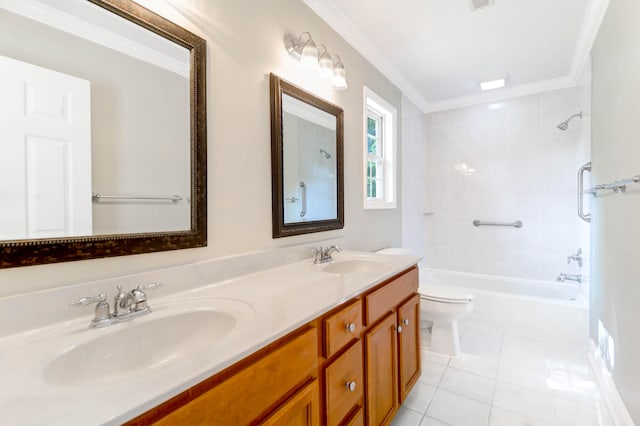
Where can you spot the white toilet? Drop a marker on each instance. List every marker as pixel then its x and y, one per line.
pixel 444 306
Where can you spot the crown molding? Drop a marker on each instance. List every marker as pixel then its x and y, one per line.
pixel 596 9
pixel 502 94
pixel 331 14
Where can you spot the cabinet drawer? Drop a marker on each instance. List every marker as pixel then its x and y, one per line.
pixel 345 370
pixel 342 327
pixel 254 390
pixel 386 298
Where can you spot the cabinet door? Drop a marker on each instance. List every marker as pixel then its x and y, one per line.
pixel 409 345
pixel 382 371
pixel 300 410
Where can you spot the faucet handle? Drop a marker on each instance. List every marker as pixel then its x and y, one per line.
pixel 102 316
pixel 149 286
pixel 101 298
pixel 140 298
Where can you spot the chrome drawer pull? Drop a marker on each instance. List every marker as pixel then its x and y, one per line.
pixel 351 327
pixel 405 321
pixel 399 329
pixel 351 386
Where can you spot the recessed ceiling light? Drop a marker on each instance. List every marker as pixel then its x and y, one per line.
pixel 477 4
pixel 493 84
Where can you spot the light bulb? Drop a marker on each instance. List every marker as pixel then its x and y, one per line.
pixel 326 65
pixel 339 79
pixel 309 54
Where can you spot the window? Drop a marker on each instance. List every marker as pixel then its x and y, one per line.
pixel 379 152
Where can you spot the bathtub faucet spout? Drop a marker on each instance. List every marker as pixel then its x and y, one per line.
pixel 569 277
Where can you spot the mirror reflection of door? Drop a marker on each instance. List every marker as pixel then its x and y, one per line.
pixel 45 153
pixel 309 162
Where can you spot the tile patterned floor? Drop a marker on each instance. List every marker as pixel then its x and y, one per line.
pixel 504 380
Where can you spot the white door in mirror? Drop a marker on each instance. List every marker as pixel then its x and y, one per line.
pixel 45 156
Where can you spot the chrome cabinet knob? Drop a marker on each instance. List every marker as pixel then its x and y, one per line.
pixel 399 329
pixel 405 321
pixel 351 386
pixel 351 327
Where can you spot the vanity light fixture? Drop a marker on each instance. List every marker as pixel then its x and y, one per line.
pixel 329 67
pixel 493 84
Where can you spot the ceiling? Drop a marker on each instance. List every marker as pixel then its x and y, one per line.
pixel 437 51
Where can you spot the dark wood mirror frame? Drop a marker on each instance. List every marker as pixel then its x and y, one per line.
pixel 280 228
pixel 15 253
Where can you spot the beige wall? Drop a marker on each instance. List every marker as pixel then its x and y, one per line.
pixel 244 44
pixel 615 229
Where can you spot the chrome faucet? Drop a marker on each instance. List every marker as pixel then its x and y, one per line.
pixel 569 277
pixel 577 257
pixel 126 306
pixel 323 254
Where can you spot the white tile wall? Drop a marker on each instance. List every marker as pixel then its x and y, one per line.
pixel 524 168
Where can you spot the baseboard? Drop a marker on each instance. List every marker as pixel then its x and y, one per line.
pixel 617 409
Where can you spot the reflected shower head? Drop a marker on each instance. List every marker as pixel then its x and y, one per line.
pixel 326 154
pixel 565 124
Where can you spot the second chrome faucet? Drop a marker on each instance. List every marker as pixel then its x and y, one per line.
pixel 323 254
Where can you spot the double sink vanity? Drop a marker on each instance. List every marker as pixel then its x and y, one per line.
pixel 302 343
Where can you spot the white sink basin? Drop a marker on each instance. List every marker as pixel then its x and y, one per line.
pixel 354 266
pixel 178 337
pixel 140 346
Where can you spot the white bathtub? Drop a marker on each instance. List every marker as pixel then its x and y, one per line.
pixel 567 291
pixel 538 309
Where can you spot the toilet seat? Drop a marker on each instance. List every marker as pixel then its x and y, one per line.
pixel 444 294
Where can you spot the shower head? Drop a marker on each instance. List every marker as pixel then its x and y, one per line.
pixel 326 154
pixel 565 124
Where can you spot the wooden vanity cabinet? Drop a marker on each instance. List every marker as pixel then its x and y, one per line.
pixel 392 345
pixel 388 340
pixel 352 366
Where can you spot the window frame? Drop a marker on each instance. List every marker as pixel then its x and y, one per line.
pixel 386 115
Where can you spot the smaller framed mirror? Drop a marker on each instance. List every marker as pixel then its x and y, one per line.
pixel 307 161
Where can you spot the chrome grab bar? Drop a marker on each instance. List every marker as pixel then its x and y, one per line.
pixel 584 216
pixel 516 224
pixel 96 196
pixel 303 208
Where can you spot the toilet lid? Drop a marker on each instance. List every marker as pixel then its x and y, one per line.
pixel 448 294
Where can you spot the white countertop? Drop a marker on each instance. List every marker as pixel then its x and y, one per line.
pixel 267 305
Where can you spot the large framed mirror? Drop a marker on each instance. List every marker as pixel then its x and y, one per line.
pixel 307 161
pixel 102 132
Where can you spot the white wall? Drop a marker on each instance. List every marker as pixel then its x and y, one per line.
pixel 244 44
pixel 519 166
pixel 412 155
pixel 615 228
